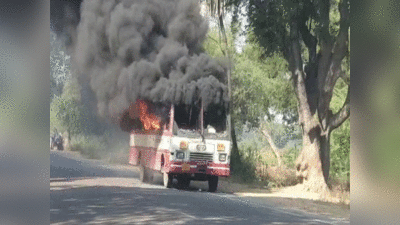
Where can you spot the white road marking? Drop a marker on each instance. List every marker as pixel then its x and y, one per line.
pixel 70 200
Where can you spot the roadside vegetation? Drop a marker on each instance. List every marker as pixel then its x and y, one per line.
pixel 263 98
pixel 79 126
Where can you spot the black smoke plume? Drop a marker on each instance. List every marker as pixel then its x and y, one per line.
pixel 128 50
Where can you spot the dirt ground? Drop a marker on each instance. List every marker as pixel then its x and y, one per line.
pixel 292 196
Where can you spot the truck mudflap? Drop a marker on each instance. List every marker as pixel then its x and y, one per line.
pixel 209 168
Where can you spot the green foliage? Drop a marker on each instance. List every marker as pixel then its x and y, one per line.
pixel 260 163
pixel 92 147
pixel 65 110
pixel 248 161
pixel 273 25
pixel 214 44
pixel 59 66
pixel 290 157
pixel 340 137
pixel 340 152
pixel 260 83
pixel 281 133
pixel 111 146
pixel 271 20
pixel 66 114
pixel 72 90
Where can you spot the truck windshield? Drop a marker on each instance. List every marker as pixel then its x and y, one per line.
pixel 188 122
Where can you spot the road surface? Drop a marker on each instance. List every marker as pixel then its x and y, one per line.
pixel 92 192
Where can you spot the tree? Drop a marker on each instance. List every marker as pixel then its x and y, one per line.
pixel 59 64
pixel 314 40
pixel 65 115
pixel 66 112
pixel 258 85
pixel 266 131
pixel 217 9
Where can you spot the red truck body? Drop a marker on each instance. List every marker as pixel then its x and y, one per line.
pixel 180 156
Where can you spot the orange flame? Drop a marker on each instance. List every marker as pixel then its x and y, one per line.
pixel 149 121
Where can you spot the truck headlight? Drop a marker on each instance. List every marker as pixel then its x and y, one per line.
pixel 222 157
pixel 180 155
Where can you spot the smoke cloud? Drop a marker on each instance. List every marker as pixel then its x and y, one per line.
pixel 128 50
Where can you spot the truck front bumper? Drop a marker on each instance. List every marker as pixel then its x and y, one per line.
pixel 209 168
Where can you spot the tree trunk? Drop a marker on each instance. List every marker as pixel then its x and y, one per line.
pixel 314 85
pixel 313 163
pixel 267 134
pixel 235 156
pixel 66 141
pixel 235 150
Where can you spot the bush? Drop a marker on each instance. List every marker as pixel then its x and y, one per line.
pixel 289 157
pixel 91 147
pixel 245 166
pixel 112 147
pixel 281 176
pixel 340 153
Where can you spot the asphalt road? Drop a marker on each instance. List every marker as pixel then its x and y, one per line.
pixel 93 192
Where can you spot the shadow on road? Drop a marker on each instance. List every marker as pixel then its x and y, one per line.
pixel 141 205
pixel 63 166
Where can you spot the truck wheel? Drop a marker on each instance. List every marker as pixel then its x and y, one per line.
pixel 150 175
pixel 183 182
pixel 167 180
pixel 212 183
pixel 186 183
pixel 142 174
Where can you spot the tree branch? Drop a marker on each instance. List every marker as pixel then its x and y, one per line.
pixel 267 134
pixel 322 8
pixel 309 40
pixel 296 67
pixel 340 49
pixel 331 71
pixel 341 116
pixel 295 46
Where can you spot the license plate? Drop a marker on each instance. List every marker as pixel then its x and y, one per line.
pixel 185 167
pixel 199 163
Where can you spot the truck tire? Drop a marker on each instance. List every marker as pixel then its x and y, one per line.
pixel 150 175
pixel 143 176
pixel 212 183
pixel 167 180
pixel 183 182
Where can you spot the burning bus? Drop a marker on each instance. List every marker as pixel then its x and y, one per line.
pixel 185 142
pixel 142 64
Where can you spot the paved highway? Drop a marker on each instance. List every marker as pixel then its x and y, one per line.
pixel 93 192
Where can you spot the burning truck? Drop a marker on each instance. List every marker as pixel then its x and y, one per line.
pixel 179 141
pixel 141 63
